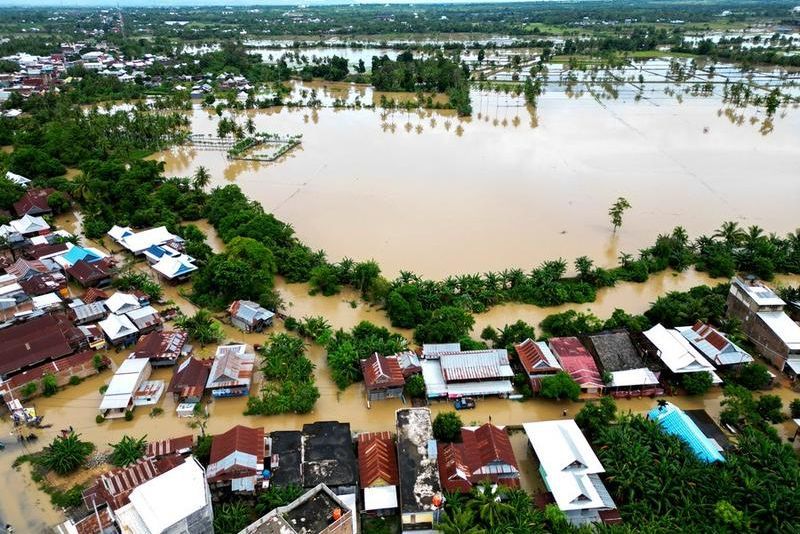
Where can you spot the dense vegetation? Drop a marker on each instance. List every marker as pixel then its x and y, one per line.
pixel 289 379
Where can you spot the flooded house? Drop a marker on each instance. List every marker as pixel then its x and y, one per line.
pixel 189 380
pixel 30 225
pixel 377 471
pixel 121 303
pixel 231 371
pixel 138 242
pixel 450 372
pixel 538 361
pixel 675 352
pixel 42 283
pixel 484 455
pixel 146 319
pixel 87 313
pixel 17 179
pixel 619 357
pixel 578 363
pixel 34 202
pixel 90 274
pixel 249 316
pixel 420 486
pixel 322 453
pixel 161 348
pixel 119 396
pixel 318 511
pixel 236 463
pixel 175 270
pixel 713 344
pixel 119 330
pixel 674 421
pixel 31 343
pixel 571 472
pixel 383 377
pixel 761 312
pixel 63 369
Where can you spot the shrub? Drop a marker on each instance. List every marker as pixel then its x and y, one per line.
pixel 49 385
pixel 155 412
pixel 127 450
pixel 128 415
pixel 753 376
pixel 697 383
pixel 74 380
pixel 794 408
pixel 28 390
pixel 99 419
pixel 98 362
pixel 447 426
pixel 103 389
pixel 66 454
pixel 558 386
pixel 415 386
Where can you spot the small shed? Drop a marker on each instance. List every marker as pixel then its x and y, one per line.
pixel 248 316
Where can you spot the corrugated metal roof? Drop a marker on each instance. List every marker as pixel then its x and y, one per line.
pixel 674 421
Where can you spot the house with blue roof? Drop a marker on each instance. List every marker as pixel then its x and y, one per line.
pixel 674 421
pixel 76 254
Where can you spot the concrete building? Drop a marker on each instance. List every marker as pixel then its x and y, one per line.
pixel 420 486
pixel 318 511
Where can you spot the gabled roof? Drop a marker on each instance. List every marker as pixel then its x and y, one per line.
pixel 87 273
pixel 713 344
pixel 17 179
pixel 676 353
pixel 232 366
pixel 33 200
pixel 93 294
pixel 174 267
pixel 674 421
pixel 485 453
pixel 576 361
pixel 190 377
pixel 121 302
pixel 240 447
pixel 249 311
pixel 536 357
pixel 382 372
pixel 76 254
pixel 56 366
pixel 32 342
pixel 140 241
pixel 29 224
pixel 22 268
pixel 784 327
pixel 377 459
pixel 117 326
pixel 164 345
pixel 475 365
pixel 165 447
pixel 144 317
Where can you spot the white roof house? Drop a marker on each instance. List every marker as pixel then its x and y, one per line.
pixel 569 468
pixel 633 377
pixel 29 224
pixel 459 373
pixel 176 501
pixel 137 242
pixel 118 396
pixel 756 291
pixel 121 302
pixel 47 301
pixel 117 327
pixel 17 179
pixel 171 268
pixel 677 353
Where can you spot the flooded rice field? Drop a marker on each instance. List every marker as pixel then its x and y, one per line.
pixel 511 186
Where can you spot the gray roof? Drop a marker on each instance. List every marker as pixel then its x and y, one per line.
pixel 615 351
pixel 89 311
pixel 250 312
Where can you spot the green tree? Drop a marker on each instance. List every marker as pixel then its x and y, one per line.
pixel 231 517
pixel 616 211
pixel 127 450
pixel 324 279
pixel 558 386
pixel 201 178
pixel 488 503
pixel 445 325
pixel 415 386
pixel 459 521
pixel 595 416
pixel 66 454
pixel 697 383
pixel 49 385
pixel 753 376
pixel 277 496
pixel 201 327
pixel 447 426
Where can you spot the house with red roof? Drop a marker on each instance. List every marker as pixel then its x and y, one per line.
pixel 538 361
pixel 34 202
pixel 484 455
pixel 383 377
pixel 189 380
pixel 237 460
pixel 33 342
pixel 578 363
pixel 80 365
pixel 114 488
pixel 161 348
pixel 378 474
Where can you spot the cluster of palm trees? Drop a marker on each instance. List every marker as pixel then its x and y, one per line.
pixel 491 509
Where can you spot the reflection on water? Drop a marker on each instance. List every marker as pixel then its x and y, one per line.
pixel 512 186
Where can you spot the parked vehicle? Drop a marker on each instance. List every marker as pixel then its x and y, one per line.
pixel 464 403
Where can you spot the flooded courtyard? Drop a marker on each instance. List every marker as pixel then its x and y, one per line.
pixel 512 186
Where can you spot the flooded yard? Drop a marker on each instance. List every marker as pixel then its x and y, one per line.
pixel 510 186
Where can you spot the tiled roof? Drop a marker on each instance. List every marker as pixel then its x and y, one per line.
pixel 484 454
pixel 576 361
pixel 238 439
pixel 93 294
pixel 88 273
pixel 22 268
pixel 382 372
pixel 55 366
pixel 165 345
pixel 377 459
pixel 534 359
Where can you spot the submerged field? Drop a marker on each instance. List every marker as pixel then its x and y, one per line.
pixel 511 186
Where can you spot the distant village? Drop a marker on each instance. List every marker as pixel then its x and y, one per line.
pixel 61 315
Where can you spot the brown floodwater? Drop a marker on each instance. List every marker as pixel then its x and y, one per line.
pixel 432 193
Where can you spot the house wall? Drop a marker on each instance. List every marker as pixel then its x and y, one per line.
pixel 241 325
pixel 766 341
pixel 418 521
pixel 62 379
pixel 385 393
pixel 200 521
pixel 343 526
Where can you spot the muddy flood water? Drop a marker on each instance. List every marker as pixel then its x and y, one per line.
pixel 510 187
pixel 29 509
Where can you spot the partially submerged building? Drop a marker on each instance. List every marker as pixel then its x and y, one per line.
pixel 377 470
pixel 249 316
pixel 237 460
pixel 231 371
pixel 189 380
pixel 450 372
pixel 712 344
pixel 674 421
pixel 676 353
pixel 383 377
pixel 578 363
pixel 31 343
pixel 761 312
pixel 420 486
pixel 120 394
pixel 618 356
pixel 571 472
pixel 137 242
pixel 538 361
pixel 484 455
pixel 161 348
pixel 119 330
pixel 63 369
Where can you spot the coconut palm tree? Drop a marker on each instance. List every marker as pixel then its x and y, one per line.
pixel 459 522
pixel 201 178
pixel 731 233
pixel 489 506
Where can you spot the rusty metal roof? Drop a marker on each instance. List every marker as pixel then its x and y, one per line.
pixel 377 459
